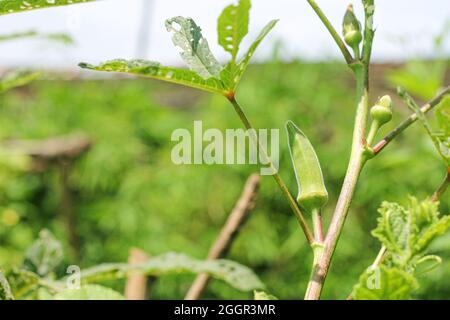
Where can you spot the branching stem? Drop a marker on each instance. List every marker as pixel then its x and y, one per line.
pixel 357 157
pixel 410 120
pixel 345 52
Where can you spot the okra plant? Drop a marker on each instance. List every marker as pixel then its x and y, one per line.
pixel 404 232
pixel 38 277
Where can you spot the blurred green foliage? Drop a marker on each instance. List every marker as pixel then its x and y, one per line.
pixel 129 194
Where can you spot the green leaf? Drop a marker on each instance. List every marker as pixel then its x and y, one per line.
pixel 427 264
pixel 154 70
pixel 44 255
pixel 407 232
pixel 312 193
pixel 194 49
pixel 22 282
pixel 233 26
pixel 422 78
pixel 57 37
pixel 232 74
pixel 14 6
pixel 5 288
pixel 261 295
pixel 235 274
pixel 17 79
pixel 89 292
pixel 384 284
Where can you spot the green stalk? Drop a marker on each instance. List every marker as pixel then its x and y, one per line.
pixel 293 204
pixel 357 161
pixel 357 157
pixel 373 132
pixel 318 226
pixel 334 34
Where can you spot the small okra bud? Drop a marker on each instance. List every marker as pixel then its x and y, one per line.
pixel 312 194
pixel 351 28
pixel 382 110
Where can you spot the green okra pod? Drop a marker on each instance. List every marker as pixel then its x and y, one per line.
pixel 312 195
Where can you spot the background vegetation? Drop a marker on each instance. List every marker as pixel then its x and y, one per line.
pixel 129 194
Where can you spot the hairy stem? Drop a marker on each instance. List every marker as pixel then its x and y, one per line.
pixel 345 52
pixel 293 204
pixel 410 120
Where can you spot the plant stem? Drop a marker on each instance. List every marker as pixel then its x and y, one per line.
pixel 357 158
pixel 369 33
pixel 442 188
pixel 356 164
pixel 347 55
pixel 277 177
pixel 409 121
pixel 373 132
pixel 318 226
pixel 380 258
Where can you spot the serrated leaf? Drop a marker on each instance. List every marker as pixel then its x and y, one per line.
pixel 407 232
pixel 233 273
pixel 17 79
pixel 89 292
pixel 384 284
pixel 14 6
pixel 261 295
pixel 231 74
pixel 22 282
pixel 44 255
pixel 5 288
pixel 233 26
pixel 154 70
pixel 194 49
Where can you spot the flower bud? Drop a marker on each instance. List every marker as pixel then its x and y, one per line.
pixel 351 28
pixel 382 111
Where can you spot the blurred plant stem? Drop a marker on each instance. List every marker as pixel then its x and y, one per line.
pixel 293 204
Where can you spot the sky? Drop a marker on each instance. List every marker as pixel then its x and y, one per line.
pixel 112 28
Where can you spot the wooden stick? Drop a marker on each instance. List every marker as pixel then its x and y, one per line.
pixel 48 151
pixel 230 230
pixel 136 286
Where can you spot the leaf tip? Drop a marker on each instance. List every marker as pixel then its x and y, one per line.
pixel 85 65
